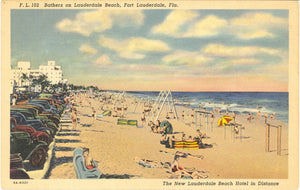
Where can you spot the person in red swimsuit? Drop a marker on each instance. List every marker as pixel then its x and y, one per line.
pixel 88 159
pixel 180 172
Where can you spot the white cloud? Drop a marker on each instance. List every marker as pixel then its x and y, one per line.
pixel 209 26
pixel 86 23
pixel 183 23
pixel 133 48
pixel 259 20
pixel 130 55
pixel 102 61
pixel 171 25
pixel 220 50
pixel 87 49
pixel 180 57
pixel 247 35
pixel 256 25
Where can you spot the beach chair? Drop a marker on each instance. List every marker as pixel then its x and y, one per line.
pixel 132 122
pixel 122 122
pixel 81 171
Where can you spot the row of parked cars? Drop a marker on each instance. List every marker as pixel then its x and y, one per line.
pixel 33 126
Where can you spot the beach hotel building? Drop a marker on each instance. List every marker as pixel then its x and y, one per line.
pixel 52 71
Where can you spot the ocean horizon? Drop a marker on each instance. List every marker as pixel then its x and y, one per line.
pixel 240 102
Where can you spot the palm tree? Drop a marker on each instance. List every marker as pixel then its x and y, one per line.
pixel 42 81
pixel 24 78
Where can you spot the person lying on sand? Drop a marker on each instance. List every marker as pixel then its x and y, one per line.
pixel 179 172
pixel 88 160
pixel 148 163
pixel 186 155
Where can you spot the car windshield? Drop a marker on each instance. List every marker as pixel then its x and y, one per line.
pixel 27 115
pixel 18 119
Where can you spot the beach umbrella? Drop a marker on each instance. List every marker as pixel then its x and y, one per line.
pixel 169 129
pixel 224 120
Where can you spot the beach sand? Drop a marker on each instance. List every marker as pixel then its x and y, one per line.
pixel 114 147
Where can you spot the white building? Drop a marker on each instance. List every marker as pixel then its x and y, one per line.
pixel 53 72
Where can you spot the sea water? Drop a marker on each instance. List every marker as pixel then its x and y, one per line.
pixel 240 102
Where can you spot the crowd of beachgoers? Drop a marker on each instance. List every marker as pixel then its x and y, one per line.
pixel 130 137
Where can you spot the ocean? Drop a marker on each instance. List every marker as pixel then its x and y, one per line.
pixel 239 102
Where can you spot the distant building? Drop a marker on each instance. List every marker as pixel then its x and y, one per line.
pixel 52 71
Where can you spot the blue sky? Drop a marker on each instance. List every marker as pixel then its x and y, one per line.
pixel 183 50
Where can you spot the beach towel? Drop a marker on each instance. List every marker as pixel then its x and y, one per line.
pixel 122 122
pixel 186 145
pixel 132 122
pixel 106 113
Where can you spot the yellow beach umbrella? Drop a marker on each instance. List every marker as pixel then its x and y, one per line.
pixel 224 120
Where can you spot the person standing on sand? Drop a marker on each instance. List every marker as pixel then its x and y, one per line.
pixel 143 118
pixel 266 117
pixel 249 118
pixel 233 116
pixel 258 115
pixel 74 118
pixel 94 115
pixel 182 115
pixel 192 113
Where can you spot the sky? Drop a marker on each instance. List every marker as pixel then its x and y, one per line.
pixel 152 50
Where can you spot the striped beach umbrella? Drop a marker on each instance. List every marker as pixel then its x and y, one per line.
pixel 224 120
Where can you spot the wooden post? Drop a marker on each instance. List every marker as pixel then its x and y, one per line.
pixel 279 140
pixel 267 137
pixel 224 131
pixel 196 113
pixel 174 109
pixel 206 124
pixel 162 105
pixel 240 130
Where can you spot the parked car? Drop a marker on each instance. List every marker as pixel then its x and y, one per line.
pixel 35 135
pixel 35 123
pixel 38 111
pixel 34 151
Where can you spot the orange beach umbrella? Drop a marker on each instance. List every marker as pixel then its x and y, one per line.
pixel 224 120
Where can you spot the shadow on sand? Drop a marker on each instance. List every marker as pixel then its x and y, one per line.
pixel 115 176
pixel 66 141
pixel 56 162
pixel 64 149
pixel 67 134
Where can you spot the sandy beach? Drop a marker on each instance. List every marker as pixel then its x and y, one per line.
pixel 114 147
